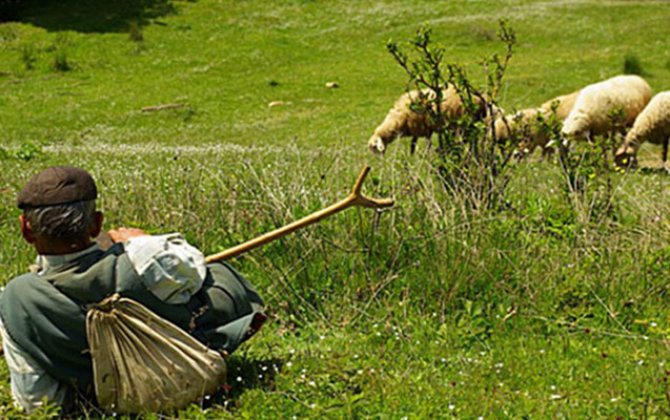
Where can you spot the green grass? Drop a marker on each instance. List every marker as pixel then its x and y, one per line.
pixel 422 311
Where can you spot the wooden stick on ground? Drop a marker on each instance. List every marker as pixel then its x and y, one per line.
pixel 161 107
pixel 356 198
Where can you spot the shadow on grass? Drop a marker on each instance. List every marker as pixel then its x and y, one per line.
pixel 84 15
pixel 649 170
pixel 245 374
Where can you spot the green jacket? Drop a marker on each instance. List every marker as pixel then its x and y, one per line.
pixel 46 315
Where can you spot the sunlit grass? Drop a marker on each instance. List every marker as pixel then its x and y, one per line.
pixel 422 311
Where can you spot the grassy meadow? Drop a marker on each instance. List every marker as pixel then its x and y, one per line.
pixel 542 309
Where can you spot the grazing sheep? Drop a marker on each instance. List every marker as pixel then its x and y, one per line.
pixel 565 104
pixel 652 125
pixel 402 121
pixel 525 127
pixel 590 114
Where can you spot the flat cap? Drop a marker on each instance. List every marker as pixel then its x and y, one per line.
pixel 57 185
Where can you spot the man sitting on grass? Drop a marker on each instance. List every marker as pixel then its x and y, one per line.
pixel 43 313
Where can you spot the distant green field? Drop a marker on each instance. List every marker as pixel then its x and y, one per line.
pixel 423 311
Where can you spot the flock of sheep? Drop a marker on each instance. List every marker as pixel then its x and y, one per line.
pixel 583 114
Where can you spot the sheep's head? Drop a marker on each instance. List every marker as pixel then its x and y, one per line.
pixel 575 127
pixel 625 157
pixel 376 144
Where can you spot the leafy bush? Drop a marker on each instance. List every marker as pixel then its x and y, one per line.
pixel 135 32
pixel 470 163
pixel 633 65
pixel 25 152
pixel 60 61
pixel 59 48
pixel 29 151
pixel 28 56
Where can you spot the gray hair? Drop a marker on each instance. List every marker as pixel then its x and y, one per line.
pixel 62 221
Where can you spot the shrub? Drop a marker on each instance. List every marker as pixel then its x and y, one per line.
pixel 28 151
pixel 60 61
pixel 8 32
pixel 135 32
pixel 471 164
pixel 28 56
pixel 633 65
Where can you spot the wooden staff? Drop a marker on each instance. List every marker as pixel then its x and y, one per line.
pixel 354 199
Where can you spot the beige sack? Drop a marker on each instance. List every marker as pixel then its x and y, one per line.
pixel 141 362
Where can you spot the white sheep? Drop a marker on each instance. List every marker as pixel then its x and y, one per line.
pixel 525 126
pixel 565 103
pixel 652 125
pixel 590 116
pixel 402 121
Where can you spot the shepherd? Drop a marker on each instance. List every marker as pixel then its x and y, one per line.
pixel 142 324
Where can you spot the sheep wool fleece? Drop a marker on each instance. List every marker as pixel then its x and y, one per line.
pixel 46 315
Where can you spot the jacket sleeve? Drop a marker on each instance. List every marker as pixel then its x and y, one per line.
pixel 48 327
pixel 31 385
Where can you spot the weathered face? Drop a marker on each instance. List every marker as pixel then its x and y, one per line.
pixel 376 145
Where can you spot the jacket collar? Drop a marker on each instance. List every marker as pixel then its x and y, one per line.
pixel 48 263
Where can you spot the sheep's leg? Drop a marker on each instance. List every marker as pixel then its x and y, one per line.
pixel 412 146
pixel 589 138
pixel 547 152
pixel 665 150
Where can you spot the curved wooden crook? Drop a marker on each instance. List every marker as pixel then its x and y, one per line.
pixel 355 199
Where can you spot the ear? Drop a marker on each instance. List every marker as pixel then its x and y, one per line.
pixel 26 230
pixel 96 225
